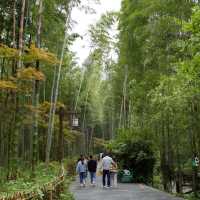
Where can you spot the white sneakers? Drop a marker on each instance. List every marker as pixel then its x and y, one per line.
pixel 107 187
pixel 83 184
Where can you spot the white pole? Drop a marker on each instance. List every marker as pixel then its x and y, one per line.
pixel 55 93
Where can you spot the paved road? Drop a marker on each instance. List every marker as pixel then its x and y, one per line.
pixel 122 192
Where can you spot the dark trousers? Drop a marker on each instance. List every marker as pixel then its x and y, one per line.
pixel 106 173
pixel 82 176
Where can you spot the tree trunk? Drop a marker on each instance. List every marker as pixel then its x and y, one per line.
pixel 179 176
pixel 164 164
pixel 61 135
pixel 36 89
pixel 193 125
pixel 14 24
pixel 21 32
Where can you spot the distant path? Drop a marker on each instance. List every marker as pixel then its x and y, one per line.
pixel 122 192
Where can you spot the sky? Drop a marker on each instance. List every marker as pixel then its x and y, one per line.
pixel 82 46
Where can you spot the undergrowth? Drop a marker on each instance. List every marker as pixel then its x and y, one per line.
pixel 27 183
pixel 66 195
pixel 192 196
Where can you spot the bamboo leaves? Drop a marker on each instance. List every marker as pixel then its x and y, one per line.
pixel 7 85
pixel 6 52
pixel 30 73
pixel 34 54
pixel 31 54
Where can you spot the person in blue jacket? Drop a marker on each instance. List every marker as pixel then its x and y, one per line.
pixel 81 169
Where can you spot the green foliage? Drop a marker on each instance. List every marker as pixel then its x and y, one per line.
pixel 70 164
pixel 140 86
pixel 136 155
pixel 25 183
pixel 191 196
pixel 43 176
pixel 66 195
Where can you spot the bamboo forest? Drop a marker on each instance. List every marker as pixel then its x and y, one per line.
pixel 85 77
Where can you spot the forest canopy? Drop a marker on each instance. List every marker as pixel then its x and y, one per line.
pixel 139 86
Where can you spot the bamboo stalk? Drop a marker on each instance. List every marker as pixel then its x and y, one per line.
pixel 21 33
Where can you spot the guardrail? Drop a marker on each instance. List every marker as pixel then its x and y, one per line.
pixel 184 181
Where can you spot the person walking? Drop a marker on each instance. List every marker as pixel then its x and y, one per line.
pixel 113 174
pixel 107 161
pixel 92 168
pixel 81 169
pixel 86 163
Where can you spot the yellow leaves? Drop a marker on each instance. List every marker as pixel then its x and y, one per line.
pixel 6 52
pixel 7 85
pixel 34 54
pixel 45 106
pixel 31 54
pixel 30 73
pixel 31 108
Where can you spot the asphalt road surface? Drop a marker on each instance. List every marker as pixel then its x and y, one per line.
pixel 121 192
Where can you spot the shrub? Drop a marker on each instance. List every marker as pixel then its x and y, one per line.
pixel 70 166
pixel 135 155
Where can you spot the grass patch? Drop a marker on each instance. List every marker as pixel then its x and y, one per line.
pixel 66 195
pixel 192 196
pixel 157 183
pixel 26 183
